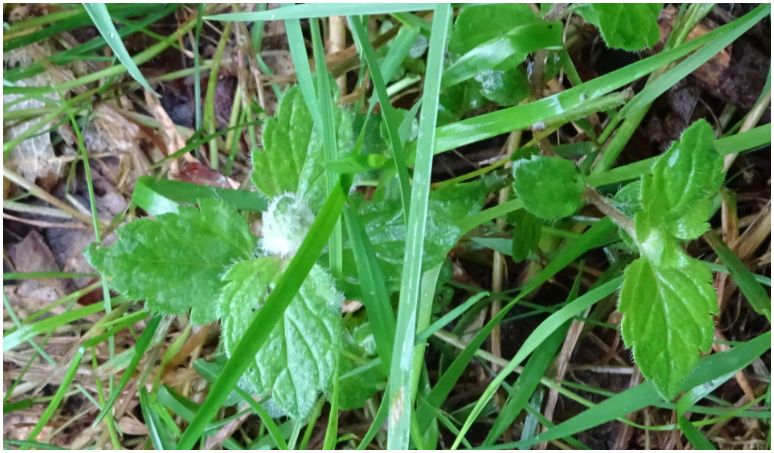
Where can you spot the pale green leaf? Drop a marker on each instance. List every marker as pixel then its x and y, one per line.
pixel 667 319
pixel 174 262
pixel 299 358
pixel 550 187
pixel 386 228
pixel 627 26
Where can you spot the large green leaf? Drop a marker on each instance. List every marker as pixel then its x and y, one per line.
pixel 174 262
pixel 627 26
pixel 550 187
pixel 667 319
pixel 300 355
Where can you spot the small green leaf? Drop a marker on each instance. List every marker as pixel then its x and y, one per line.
pixel 174 262
pixel 300 355
pixel 667 319
pixel 627 26
pixel 550 187
pixel 667 299
pixel 386 229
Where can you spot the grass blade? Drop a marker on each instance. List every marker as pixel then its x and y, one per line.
pixel 266 318
pixel 389 117
pixel 101 17
pixel 160 436
pixel 538 336
pixel 375 296
pixel 523 116
pixel 753 291
pixel 316 10
pixel 159 196
pixel 643 395
pixel 400 379
pixel 139 350
pixel 596 236
pixel 56 401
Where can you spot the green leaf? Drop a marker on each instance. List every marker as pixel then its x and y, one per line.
pixel 504 88
pixel 287 139
pixel 550 187
pixel 477 24
pixel 627 26
pixel 676 195
pixel 386 229
pixel 174 262
pixel 299 357
pixel 511 48
pixel 667 319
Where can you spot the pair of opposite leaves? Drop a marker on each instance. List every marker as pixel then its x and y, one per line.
pixel 667 299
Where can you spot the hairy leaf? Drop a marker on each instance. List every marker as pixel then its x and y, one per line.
pixel 299 358
pixel 667 319
pixel 550 187
pixel 174 262
pixel 627 26
pixel 386 228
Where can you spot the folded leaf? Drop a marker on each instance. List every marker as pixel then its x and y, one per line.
pixel 550 187
pixel 174 262
pixel 627 26
pixel 298 360
pixel 667 319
